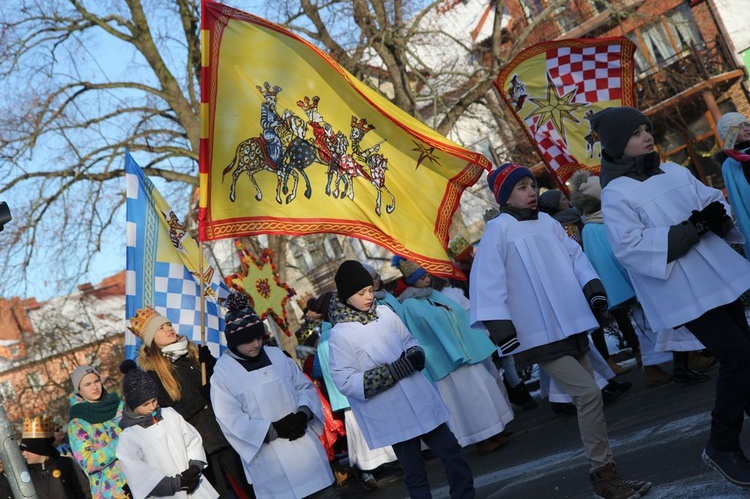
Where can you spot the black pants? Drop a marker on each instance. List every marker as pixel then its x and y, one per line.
pixel 725 332
pixel 222 465
pixel 444 445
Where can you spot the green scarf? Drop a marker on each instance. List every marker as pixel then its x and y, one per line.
pixel 97 412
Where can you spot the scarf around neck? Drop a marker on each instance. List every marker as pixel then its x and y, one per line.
pixel 97 412
pixel 176 350
pixel 639 168
pixel 593 218
pixel 343 312
pixel 412 292
pixel 520 214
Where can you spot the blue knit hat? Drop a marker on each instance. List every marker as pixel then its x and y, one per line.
pixel 502 180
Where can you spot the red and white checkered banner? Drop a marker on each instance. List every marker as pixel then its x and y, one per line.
pixel 553 88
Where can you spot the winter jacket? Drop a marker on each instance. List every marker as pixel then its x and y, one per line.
pixel 193 406
pixel 94 447
pixel 59 478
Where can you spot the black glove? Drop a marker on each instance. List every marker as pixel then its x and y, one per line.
pixel 415 355
pixel 401 367
pixel 205 356
pixel 190 478
pixel 503 334
pixel 285 426
pixel 699 222
pixel 726 225
pixel 298 425
pixel 596 295
pixel 715 215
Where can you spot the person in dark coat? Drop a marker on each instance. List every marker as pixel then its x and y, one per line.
pixel 54 476
pixel 174 362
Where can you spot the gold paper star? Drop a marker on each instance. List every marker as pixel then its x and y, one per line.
pixel 555 108
pixel 425 153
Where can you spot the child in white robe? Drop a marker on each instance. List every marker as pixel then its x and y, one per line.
pixel 160 453
pixel 532 285
pixel 269 411
pixel 670 232
pixel 377 365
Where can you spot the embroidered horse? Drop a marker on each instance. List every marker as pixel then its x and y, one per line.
pixel 371 164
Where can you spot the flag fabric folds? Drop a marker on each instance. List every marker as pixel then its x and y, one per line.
pixel 553 88
pixel 293 144
pixel 163 267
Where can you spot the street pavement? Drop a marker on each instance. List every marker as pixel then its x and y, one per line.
pixel 656 434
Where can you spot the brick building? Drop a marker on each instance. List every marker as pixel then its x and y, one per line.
pixel 687 72
pixel 41 344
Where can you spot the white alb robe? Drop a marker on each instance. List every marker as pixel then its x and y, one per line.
pixel 246 403
pixel 408 409
pixel 147 455
pixel 638 215
pixel 532 273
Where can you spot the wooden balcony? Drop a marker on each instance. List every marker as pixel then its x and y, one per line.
pixel 680 78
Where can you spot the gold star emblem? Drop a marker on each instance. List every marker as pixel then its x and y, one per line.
pixel 555 108
pixel 425 153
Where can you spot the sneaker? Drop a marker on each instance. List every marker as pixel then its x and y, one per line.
pixel 618 386
pixel 607 484
pixel 688 377
pixel 491 445
pixel 608 396
pixel 656 376
pixel 617 368
pixel 733 466
pixel 368 480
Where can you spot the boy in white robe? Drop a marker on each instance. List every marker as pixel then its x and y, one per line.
pixel 160 453
pixel 377 365
pixel 533 289
pixel 269 411
pixel 670 232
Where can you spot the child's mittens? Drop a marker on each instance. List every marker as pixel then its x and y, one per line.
pixel 596 295
pixel 712 217
pixel 286 427
pixel 401 367
pixel 415 355
pixel 298 425
pixel 503 334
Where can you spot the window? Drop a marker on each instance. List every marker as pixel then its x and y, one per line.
pixel 35 380
pixel 6 391
pixel 531 8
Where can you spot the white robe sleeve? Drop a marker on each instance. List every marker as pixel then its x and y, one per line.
pixel 141 476
pixel 246 435
pixel 488 284
pixel 193 441
pixel 345 372
pixel 638 248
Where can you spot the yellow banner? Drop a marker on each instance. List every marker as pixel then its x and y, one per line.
pixel 553 88
pixel 294 144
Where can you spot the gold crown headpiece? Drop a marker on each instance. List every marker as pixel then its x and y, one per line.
pixel 145 324
pixel 38 427
pixel 459 249
pixel 407 267
pixel 267 90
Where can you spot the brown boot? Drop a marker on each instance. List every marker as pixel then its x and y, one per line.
pixel 608 484
pixel 656 376
pixel 701 363
pixel 617 368
pixel 491 445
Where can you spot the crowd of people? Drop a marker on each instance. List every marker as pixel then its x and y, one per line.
pixel 433 366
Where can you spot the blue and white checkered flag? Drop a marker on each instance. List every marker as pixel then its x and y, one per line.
pixel 162 267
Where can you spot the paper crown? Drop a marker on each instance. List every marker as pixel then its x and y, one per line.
pixel 143 317
pixel 459 249
pixel 307 330
pixel 407 267
pixel 38 427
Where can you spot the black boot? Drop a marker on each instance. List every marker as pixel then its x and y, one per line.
pixel 519 395
pixel 681 372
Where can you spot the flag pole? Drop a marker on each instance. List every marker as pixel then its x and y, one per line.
pixel 203 307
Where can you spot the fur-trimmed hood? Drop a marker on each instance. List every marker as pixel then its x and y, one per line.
pixel 585 203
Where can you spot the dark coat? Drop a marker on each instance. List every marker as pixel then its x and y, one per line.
pixel 59 478
pixel 195 404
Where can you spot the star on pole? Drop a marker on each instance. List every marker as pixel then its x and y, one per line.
pixel 555 108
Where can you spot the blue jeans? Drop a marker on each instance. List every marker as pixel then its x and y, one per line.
pixel 725 333
pixel 444 445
